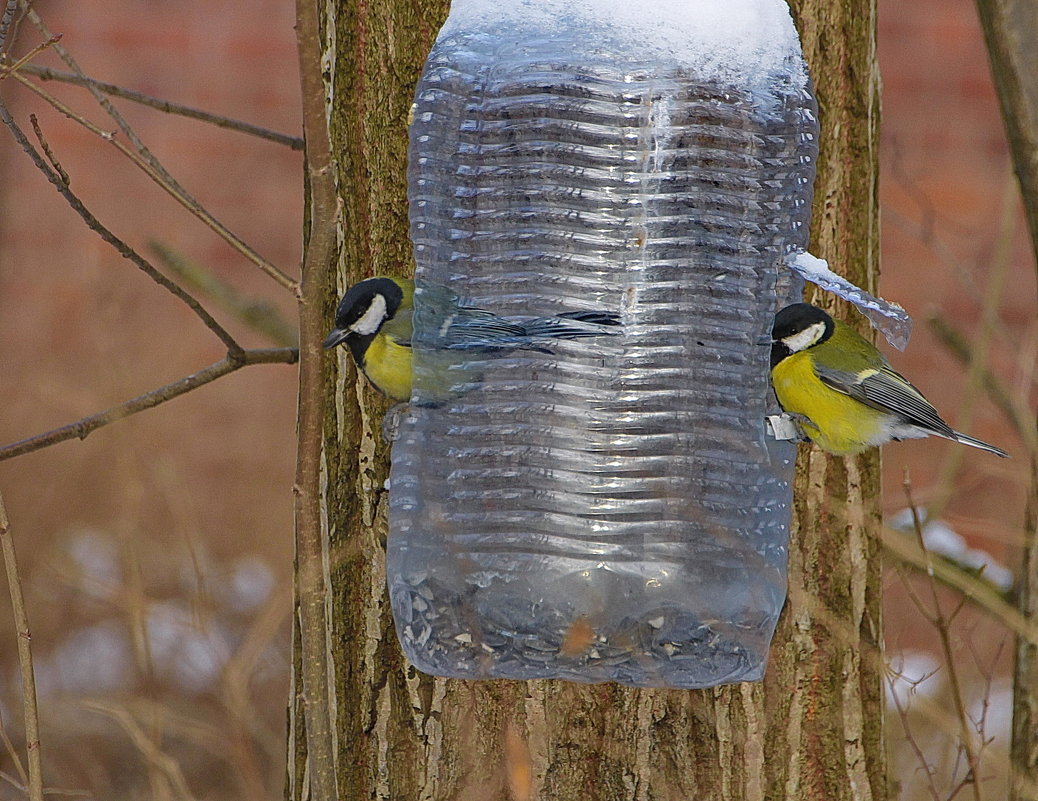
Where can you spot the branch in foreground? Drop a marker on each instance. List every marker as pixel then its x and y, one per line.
pixel 82 428
pixel 48 74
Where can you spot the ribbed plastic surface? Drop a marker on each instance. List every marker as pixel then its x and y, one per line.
pixel 606 508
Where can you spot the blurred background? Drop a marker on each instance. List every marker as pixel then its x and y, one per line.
pixel 156 554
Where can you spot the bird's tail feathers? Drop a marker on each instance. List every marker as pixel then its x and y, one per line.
pixel 965 439
pixel 595 317
pixel 573 325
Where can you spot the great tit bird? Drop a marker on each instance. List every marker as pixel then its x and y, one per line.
pixel 375 320
pixel 843 391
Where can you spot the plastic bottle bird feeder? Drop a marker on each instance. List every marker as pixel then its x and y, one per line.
pixel 605 507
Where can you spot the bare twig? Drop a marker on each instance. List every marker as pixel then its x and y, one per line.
pixel 24 60
pixel 235 684
pixel 84 427
pixel 167 106
pixel 1024 746
pixel 160 764
pixel 989 677
pixel 943 627
pixel 21 622
pixel 312 581
pixel 167 182
pixel 47 151
pixel 124 250
pixel 257 314
pixel 159 176
pixel 50 791
pixel 902 713
pixel 108 136
pixel 5 26
pixel 15 757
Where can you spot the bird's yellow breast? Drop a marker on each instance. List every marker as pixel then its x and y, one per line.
pixel 836 422
pixel 388 366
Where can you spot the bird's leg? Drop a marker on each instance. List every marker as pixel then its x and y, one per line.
pixel 799 421
pixel 788 426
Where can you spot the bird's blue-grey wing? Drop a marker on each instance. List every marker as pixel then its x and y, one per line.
pixel 887 391
pixel 469 326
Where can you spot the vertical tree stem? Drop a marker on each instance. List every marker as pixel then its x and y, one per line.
pixel 311 556
pixel 1010 28
pixel 21 623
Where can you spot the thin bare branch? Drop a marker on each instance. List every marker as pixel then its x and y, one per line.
pixel 159 176
pixel 24 60
pixel 16 759
pixel 167 182
pixel 161 765
pixel 108 136
pixel 82 428
pixel 124 250
pixel 22 788
pixel 21 623
pixel 167 106
pixel 47 151
pixel 906 726
pixel 5 25
pixel 989 677
pixel 312 580
pixel 1009 27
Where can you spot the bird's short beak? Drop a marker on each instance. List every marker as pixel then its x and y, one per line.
pixel 766 341
pixel 335 337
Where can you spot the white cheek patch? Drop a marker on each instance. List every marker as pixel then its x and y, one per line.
pixel 372 319
pixel 806 338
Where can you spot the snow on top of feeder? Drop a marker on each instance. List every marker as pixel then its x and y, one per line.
pixel 746 44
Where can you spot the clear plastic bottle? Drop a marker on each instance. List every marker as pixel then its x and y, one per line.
pixel 609 507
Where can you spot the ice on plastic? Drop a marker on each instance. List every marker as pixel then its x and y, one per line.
pixel 889 318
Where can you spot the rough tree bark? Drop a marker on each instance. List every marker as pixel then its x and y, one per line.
pixel 811 731
pixel 1010 30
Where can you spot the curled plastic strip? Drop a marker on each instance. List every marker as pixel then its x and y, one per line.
pixel 888 318
pixel 783 428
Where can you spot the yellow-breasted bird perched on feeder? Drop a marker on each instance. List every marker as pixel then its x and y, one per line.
pixel 375 320
pixel 843 391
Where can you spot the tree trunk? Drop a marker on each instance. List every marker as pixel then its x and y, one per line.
pixel 1010 27
pixel 812 730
